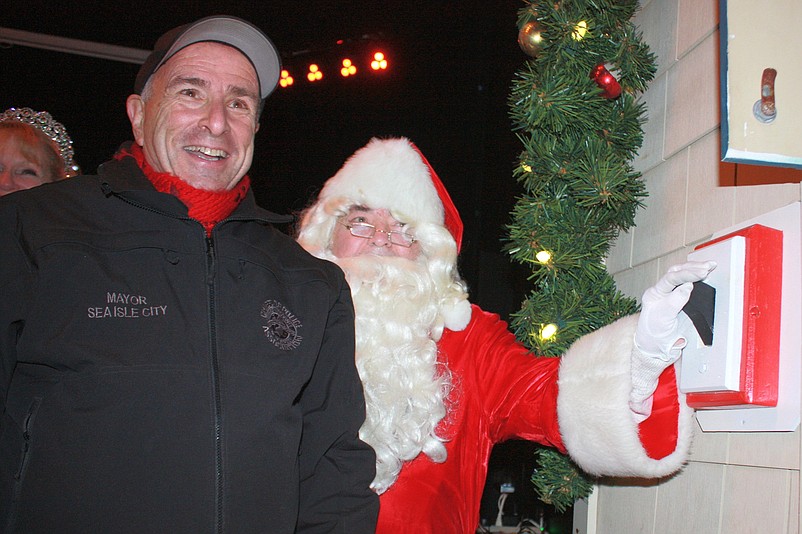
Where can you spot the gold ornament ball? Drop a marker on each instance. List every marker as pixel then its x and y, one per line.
pixel 530 39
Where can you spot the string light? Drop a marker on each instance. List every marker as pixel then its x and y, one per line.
pixel 548 332
pixel 544 256
pixel 580 30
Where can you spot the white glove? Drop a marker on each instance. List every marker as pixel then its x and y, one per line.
pixel 658 342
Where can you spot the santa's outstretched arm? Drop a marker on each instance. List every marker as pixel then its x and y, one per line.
pixel 619 408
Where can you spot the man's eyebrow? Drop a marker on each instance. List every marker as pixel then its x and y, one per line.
pixel 180 80
pixel 236 90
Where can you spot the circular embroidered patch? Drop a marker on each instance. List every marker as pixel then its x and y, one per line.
pixel 282 326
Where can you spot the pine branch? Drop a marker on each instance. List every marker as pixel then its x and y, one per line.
pixel 564 483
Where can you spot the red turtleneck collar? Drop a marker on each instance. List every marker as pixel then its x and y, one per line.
pixel 206 207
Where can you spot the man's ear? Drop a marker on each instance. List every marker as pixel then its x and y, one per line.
pixel 135 108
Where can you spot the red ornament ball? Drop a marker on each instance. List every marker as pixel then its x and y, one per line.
pixel 605 80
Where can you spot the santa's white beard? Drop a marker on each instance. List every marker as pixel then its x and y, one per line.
pixel 405 388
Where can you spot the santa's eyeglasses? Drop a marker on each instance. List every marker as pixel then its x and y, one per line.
pixel 367 231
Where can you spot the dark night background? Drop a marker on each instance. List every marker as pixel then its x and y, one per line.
pixel 451 67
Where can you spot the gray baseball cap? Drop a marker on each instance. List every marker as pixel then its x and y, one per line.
pixel 240 34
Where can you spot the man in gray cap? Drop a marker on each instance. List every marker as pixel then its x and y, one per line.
pixel 169 362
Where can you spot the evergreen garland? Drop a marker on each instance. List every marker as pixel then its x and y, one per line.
pixel 580 188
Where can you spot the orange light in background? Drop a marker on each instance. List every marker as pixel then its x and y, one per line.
pixel 314 74
pixel 348 68
pixel 379 61
pixel 285 80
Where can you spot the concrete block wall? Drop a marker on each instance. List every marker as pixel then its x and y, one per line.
pixel 735 482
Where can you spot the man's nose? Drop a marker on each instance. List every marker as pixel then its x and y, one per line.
pixel 7 184
pixel 381 237
pixel 215 118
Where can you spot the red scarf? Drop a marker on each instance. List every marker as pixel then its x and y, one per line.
pixel 206 207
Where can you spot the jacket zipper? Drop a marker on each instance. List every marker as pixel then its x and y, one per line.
pixel 211 267
pixel 26 436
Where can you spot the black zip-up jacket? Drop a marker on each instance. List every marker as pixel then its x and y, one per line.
pixel 156 380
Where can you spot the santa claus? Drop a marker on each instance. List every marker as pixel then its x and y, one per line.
pixel 444 380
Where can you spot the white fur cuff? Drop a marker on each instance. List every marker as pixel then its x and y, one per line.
pixel 595 419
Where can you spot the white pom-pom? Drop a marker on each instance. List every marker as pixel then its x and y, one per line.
pixel 458 315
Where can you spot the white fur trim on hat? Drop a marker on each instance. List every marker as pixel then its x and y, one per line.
pixel 388 173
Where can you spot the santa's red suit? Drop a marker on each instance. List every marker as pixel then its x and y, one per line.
pixel 501 391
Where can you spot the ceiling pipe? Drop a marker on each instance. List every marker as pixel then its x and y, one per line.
pixel 72 46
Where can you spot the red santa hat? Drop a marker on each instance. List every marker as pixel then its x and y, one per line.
pixel 394 174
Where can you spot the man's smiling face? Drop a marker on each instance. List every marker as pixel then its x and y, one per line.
pixel 198 117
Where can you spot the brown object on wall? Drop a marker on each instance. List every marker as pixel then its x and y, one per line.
pixel 731 174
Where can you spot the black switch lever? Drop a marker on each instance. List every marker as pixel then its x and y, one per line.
pixel 700 308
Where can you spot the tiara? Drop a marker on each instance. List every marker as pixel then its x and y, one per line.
pixel 42 120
